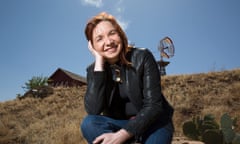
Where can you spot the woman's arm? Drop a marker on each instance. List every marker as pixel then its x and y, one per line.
pixel 95 95
pixel 151 98
pixel 96 77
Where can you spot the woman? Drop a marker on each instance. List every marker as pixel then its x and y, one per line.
pixel 123 100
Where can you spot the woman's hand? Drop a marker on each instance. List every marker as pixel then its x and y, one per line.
pixel 118 137
pixel 99 60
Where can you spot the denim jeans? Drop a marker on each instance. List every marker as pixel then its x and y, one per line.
pixel 95 125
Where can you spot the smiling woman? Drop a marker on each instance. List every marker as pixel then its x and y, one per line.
pixel 106 41
pixel 123 100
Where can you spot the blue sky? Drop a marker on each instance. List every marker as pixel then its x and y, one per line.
pixel 39 36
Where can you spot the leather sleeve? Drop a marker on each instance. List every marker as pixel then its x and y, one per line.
pixel 95 95
pixel 152 102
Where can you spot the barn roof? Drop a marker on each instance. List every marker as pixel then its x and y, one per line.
pixel 71 75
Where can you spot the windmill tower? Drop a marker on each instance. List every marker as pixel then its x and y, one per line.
pixel 167 50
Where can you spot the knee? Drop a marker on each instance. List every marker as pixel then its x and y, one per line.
pixel 88 122
pixel 88 128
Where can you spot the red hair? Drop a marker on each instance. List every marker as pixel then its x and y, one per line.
pixel 103 16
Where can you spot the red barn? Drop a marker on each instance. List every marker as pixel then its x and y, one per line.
pixel 66 78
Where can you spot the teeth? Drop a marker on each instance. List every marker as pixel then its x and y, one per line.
pixel 112 47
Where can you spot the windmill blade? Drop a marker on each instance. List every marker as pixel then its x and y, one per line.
pixel 166 46
pixel 161 46
pixel 165 55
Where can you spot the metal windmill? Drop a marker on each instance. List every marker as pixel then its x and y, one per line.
pixel 167 50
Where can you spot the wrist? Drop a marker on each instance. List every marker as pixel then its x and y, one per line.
pixel 99 65
pixel 125 134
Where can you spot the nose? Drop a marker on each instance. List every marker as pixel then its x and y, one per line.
pixel 108 41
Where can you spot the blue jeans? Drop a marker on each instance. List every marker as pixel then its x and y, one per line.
pixel 95 125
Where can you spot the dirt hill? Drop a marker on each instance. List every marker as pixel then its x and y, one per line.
pixel 56 118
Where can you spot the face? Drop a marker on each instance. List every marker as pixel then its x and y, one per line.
pixel 106 41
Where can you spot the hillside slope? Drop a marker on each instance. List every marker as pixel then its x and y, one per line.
pixel 55 119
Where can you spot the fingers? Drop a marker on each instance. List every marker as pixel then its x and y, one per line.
pixel 99 139
pixel 90 47
pixel 92 50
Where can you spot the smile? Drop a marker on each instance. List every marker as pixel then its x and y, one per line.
pixel 111 48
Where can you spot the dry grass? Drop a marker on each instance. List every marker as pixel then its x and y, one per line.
pixel 200 94
pixel 56 119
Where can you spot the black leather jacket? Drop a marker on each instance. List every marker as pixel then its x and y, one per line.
pixel 142 84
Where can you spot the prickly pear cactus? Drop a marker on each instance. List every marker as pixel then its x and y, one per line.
pixel 236 139
pixel 209 117
pixel 194 129
pixel 226 126
pixel 206 125
pixel 212 136
pixel 190 130
pixel 226 121
pixel 208 130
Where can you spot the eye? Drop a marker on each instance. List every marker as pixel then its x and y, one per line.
pixel 99 38
pixel 113 32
